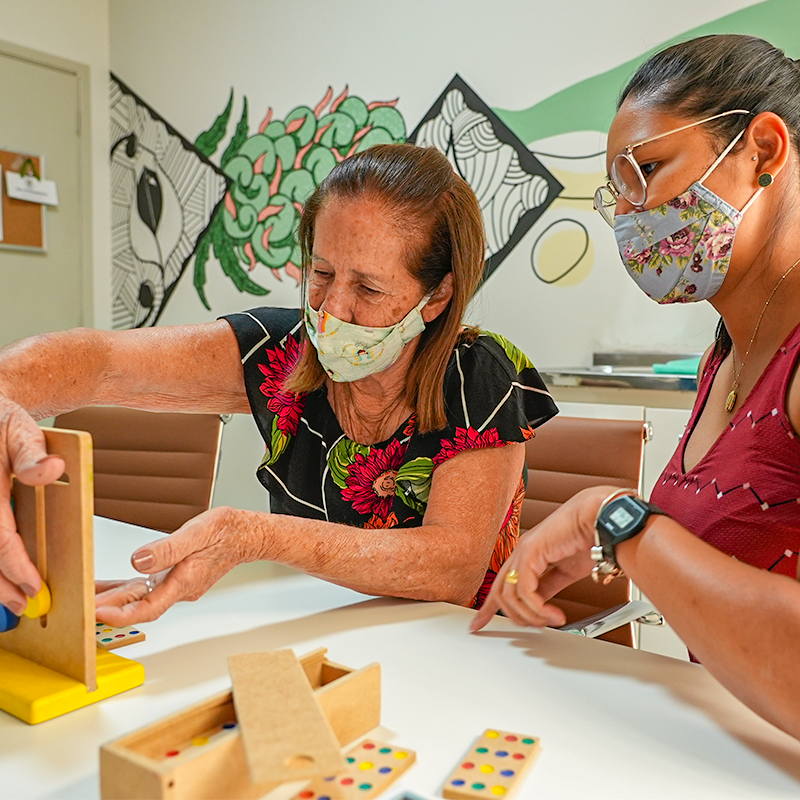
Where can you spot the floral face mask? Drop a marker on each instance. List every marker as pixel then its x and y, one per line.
pixel 679 252
pixel 349 352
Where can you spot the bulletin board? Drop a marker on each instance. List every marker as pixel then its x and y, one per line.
pixel 22 222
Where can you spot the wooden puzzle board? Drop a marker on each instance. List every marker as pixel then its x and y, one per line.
pixel 285 732
pixel 56 525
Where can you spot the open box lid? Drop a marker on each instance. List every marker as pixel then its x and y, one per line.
pixel 285 733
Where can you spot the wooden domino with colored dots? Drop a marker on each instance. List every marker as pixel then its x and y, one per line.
pixel 110 637
pixel 373 767
pixel 493 767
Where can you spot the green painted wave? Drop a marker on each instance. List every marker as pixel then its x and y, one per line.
pixel 589 105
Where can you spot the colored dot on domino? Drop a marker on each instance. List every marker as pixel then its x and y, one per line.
pixel 369 746
pixel 501 753
pixel 350 760
pixel 481 749
pixel 528 741
pixel 366 765
pixel 478 785
pixel 498 790
pixel 468 765
pixel 384 770
pixel 385 750
pixel 511 738
pixel 229 725
pixel 347 781
pixel 487 768
pixel 365 786
pixel 507 773
pixel 518 755
pixel 492 734
pixel 199 741
pixel 400 754
pixel 171 753
pixel 306 794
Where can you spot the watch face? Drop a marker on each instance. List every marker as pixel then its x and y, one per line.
pixel 621 517
pixel 624 516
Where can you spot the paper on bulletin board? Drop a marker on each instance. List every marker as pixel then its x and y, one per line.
pixel 31 189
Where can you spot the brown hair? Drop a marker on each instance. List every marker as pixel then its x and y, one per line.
pixel 438 215
pixel 711 74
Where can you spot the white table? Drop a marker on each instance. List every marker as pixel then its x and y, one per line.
pixel 613 722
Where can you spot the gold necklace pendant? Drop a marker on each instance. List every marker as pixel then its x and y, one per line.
pixel 731 401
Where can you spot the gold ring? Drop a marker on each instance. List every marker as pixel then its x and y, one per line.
pixel 512 577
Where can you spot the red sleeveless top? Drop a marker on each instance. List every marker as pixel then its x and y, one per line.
pixel 743 496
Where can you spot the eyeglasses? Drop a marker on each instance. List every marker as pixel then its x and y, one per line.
pixel 628 180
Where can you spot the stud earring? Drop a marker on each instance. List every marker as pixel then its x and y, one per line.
pixel 765 179
pixel 755 158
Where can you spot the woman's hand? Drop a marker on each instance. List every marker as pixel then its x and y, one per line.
pixel 554 554
pixel 23 454
pixel 188 563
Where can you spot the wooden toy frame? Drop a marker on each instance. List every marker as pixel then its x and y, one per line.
pixel 137 765
pixel 51 665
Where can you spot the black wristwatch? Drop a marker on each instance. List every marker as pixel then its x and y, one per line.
pixel 620 518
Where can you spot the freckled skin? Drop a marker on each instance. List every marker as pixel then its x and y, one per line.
pixel 358 275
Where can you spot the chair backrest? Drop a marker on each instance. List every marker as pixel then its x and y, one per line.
pixel 150 468
pixel 569 454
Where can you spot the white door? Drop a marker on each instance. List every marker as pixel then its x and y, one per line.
pixel 41 100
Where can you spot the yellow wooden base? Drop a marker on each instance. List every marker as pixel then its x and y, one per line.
pixel 35 693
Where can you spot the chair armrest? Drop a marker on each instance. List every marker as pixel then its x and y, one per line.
pixel 616 617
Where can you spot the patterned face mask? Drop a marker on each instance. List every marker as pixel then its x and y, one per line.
pixel 679 251
pixel 349 352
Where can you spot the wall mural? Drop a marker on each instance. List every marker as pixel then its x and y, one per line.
pixel 163 194
pixel 273 171
pixel 171 203
pixel 511 184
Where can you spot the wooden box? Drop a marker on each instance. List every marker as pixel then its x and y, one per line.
pixel 198 753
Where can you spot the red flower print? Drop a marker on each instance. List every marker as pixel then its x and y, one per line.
pixel 527 433
pixel 679 244
pixel 287 406
pixel 467 439
pixel 376 522
pixel 370 480
pixel 411 425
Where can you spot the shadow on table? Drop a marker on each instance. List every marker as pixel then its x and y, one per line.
pixel 692 684
pixel 206 659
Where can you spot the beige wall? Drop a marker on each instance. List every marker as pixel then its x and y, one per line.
pixel 77 30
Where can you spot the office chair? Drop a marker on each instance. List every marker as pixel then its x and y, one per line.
pixel 151 469
pixel 569 454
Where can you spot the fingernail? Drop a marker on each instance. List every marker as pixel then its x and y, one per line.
pixel 16 608
pixel 143 560
pixel 28 589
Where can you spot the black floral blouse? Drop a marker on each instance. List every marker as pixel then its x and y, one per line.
pixel 493 396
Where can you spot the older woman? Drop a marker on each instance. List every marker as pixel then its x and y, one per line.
pixel 704 148
pixel 394 437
